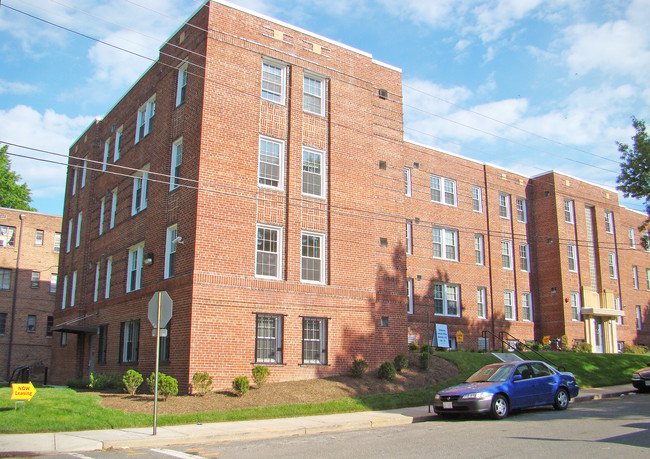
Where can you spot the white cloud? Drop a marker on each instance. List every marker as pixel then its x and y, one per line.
pixel 15 87
pixel 47 131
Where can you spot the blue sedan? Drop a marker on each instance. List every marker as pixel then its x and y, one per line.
pixel 501 387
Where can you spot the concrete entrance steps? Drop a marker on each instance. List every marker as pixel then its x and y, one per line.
pixel 507 356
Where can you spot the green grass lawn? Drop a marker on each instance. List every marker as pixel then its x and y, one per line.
pixel 55 410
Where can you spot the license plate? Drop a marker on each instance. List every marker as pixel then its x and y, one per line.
pixel 449 405
pixel 647 382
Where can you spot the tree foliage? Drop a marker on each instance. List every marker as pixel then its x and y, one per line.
pixel 12 195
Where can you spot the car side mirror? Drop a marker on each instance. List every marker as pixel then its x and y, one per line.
pixel 516 378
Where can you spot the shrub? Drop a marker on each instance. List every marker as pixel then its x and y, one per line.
pixel 260 373
pixel 387 371
pixel 109 381
pixel 413 347
pixel 581 347
pixel 132 380
pixel 635 349
pixel 78 383
pixel 201 383
pixel 536 346
pixel 426 347
pixel 359 368
pixel 167 386
pixel 401 362
pixel 425 359
pixel 240 385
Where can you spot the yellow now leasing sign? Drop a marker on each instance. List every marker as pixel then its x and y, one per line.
pixel 459 336
pixel 22 391
pixel 546 340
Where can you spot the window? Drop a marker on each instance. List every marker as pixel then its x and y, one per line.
pixel 613 271
pixel 177 159
pixel 57 242
pixel 445 244
pixel 268 338
pixel 313 98
pixel 635 277
pixel 5 279
pixel 140 180
pixel 572 254
pixel 73 289
pixel 527 306
pixel 31 323
pixel 102 341
pixel 129 336
pixel 107 150
pixel 48 326
pixel 312 261
pixel 407 181
pixel 7 234
pixel 39 237
pixel 84 171
pixel 313 176
pixel 506 254
pixel 314 341
pixel 164 344
pixel 96 290
pixel 479 254
pixel 609 222
pixel 477 199
pixel 111 223
pixel 410 295
pixel 409 237
pixel 271 163
pixel 509 307
pixel 504 205
pixel 78 238
pixel 524 257
pixel 134 269
pixel 170 251
pixel 575 306
pixel 109 269
pixel 64 339
pixel 481 302
pixel 268 259
pixel 146 115
pixel 69 241
pixel 645 237
pixel 65 291
pixel 102 207
pixel 443 190
pixel 632 237
pixel 274 81
pixel 639 321
pixel 118 143
pixel 53 279
pixel 569 215
pixel 618 307
pixel 36 279
pixel 75 173
pixel 522 213
pixel 446 299
pixel 181 84
pixel 3 323
pixel 647 278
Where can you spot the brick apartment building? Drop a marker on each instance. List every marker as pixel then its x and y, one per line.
pixel 268 189
pixel 29 256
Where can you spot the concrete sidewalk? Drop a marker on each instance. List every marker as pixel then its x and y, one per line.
pixel 92 440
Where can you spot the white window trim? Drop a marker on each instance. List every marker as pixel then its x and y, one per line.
pixel 111 224
pixel 632 236
pixel 613 268
pixel 83 173
pixel 283 73
pixel 442 181
pixel 513 303
pixel 102 208
pixel 444 245
pixel 170 247
pixel 181 84
pixel 53 279
pixel 96 290
pixel 525 307
pixel 118 143
pixel 144 115
pixel 322 257
pixel 609 222
pixel 409 237
pixel 575 306
pixel 279 252
pixel 481 302
pixel 639 317
pixel 280 185
pixel 109 269
pixel 107 149
pixel 142 177
pixel 477 196
pixel 635 277
pixel 508 244
pixel 64 292
pixel 505 205
pixel 177 161
pixel 73 289
pixel 410 295
pixel 571 211
pixel 445 300
pixel 69 241
pixel 479 248
pixel 572 254
pixel 527 252
pixel 75 173
pixel 78 237
pixel 138 249
pixel 323 92
pixel 323 168
pixel 408 187
pixel 523 210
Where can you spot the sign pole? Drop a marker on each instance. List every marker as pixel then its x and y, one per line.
pixel 430 341
pixel 155 400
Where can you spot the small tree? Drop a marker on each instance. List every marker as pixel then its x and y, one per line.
pixel 359 367
pixel 387 371
pixel 260 374
pixel 240 385
pixel 132 380
pixel 201 383
pixel 12 195
pixel 401 362
pixel 167 386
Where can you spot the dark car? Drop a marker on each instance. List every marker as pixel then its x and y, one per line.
pixel 501 387
pixel 641 379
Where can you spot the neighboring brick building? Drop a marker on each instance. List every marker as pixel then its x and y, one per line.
pixel 29 256
pixel 267 189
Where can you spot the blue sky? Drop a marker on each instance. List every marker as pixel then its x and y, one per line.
pixel 529 85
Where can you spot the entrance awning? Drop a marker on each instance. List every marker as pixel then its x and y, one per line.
pixel 600 312
pixel 78 329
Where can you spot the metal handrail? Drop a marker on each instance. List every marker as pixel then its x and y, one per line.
pixel 504 342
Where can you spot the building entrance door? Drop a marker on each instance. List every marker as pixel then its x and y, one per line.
pixel 598 332
pixel 91 354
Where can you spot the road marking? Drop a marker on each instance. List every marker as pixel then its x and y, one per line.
pixel 80 456
pixel 173 453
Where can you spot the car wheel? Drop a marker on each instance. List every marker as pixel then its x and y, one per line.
pixel 561 399
pixel 500 407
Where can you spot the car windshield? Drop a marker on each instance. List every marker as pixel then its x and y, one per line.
pixel 491 373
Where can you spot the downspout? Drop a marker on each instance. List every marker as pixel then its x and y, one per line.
pixel 15 298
